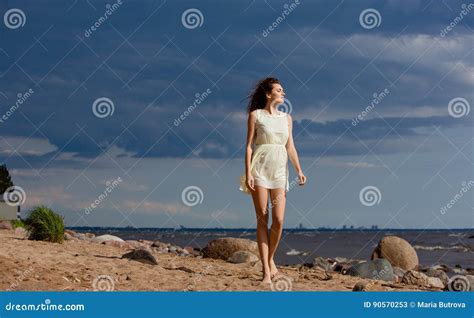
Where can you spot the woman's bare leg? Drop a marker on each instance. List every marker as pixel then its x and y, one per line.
pixel 278 203
pixel 260 200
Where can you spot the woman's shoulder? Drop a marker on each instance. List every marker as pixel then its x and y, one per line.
pixel 255 114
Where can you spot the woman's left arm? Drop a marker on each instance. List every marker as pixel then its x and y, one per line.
pixel 292 154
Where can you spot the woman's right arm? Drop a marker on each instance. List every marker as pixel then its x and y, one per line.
pixel 248 152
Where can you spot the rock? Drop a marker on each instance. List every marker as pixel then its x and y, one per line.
pixel 415 278
pixel 342 267
pixel 460 271
pixel 20 231
pixel 224 248
pixel 90 235
pixel 146 242
pixel 342 260
pixel 160 245
pixel 442 267
pixel 435 282
pixel 379 269
pixel 70 232
pixel 6 225
pixel 106 237
pixel 324 263
pixel 163 250
pixel 142 256
pixel 431 272
pixel 364 285
pixel 397 251
pixel 69 237
pixel 419 279
pixel 399 273
pixel 360 286
pixel 243 257
pixel 172 249
pixel 191 250
pixel 81 236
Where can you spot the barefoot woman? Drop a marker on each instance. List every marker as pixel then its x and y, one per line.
pixel 266 166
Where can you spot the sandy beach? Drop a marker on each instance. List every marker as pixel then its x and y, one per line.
pixel 78 265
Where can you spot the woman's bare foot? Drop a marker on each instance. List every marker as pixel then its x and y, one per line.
pixel 273 268
pixel 266 279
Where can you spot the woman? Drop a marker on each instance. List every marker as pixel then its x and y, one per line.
pixel 266 166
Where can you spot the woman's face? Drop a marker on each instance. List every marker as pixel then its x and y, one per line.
pixel 277 94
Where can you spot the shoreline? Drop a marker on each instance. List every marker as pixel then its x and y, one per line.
pixel 83 265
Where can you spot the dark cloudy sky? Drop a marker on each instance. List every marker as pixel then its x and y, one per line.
pixel 104 105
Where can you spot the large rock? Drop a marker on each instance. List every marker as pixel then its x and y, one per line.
pixel 106 237
pixel 142 256
pixel 224 248
pixel 397 251
pixel 379 269
pixel 243 257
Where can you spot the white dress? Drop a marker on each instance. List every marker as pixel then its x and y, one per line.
pixel 269 162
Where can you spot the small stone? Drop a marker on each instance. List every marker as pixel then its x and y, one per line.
pixel 6 225
pixel 105 237
pixel 431 272
pixel 142 256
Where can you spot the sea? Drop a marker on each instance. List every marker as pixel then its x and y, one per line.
pixel 453 248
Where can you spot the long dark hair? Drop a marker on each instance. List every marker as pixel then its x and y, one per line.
pixel 257 98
